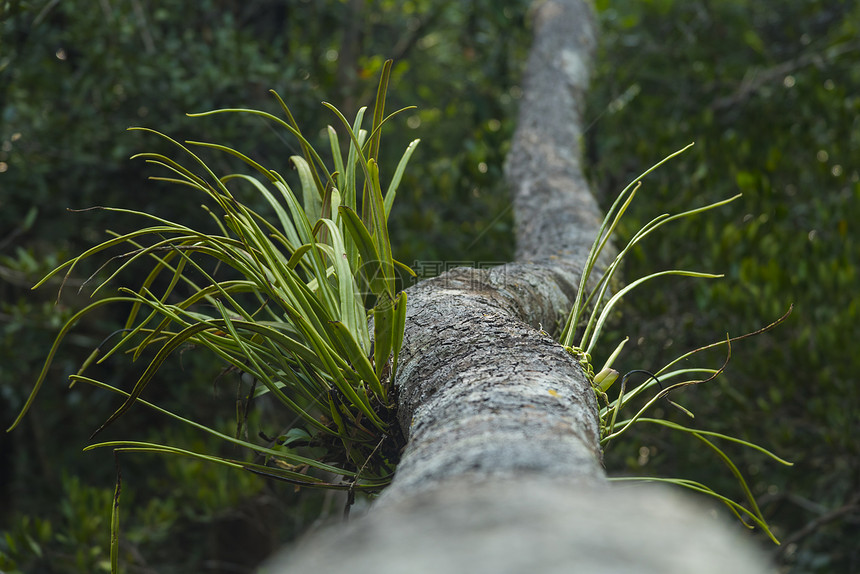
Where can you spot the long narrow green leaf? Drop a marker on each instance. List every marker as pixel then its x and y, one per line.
pixel 213 193
pixel 618 296
pixel 738 476
pixel 231 151
pixel 405 268
pixel 284 219
pixel 650 227
pixel 138 446
pixel 595 248
pixel 133 256
pixel 298 254
pixel 152 368
pixel 651 382
pixel 379 109
pixel 398 329
pixel 337 157
pixel 391 193
pixel 736 508
pixel 259 369
pixel 356 146
pixel 71 264
pixel 288 456
pixel 114 523
pixel 50 359
pixel 384 121
pixel 317 160
pixel 357 358
pixel 380 229
pixel 351 308
pixel 300 219
pixel 162 263
pixel 383 332
pixel 357 137
pixel 323 351
pixel 187 177
pixel 310 196
pixel 721 436
pixel 309 152
pixel 371 265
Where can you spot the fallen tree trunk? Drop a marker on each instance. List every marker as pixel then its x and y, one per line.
pixel 502 471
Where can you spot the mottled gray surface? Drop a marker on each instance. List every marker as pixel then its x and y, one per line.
pixel 532 525
pixel 482 393
pixel 502 470
pixel 554 211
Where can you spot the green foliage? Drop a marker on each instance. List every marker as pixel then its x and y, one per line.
pixel 73 77
pixel 768 92
pixel 290 310
pixel 762 87
pixel 77 545
pixel 74 537
pixel 596 299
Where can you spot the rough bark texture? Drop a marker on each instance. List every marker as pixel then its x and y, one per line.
pixel 556 215
pixel 532 526
pixel 482 394
pixel 502 468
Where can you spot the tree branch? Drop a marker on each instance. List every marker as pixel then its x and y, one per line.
pixel 502 468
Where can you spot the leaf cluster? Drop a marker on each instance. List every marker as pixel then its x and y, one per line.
pixel 290 308
pixel 598 300
pixel 768 91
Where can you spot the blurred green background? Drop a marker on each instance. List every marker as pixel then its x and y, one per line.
pixel 769 91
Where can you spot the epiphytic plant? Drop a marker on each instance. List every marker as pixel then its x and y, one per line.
pixel 287 301
pixel 591 309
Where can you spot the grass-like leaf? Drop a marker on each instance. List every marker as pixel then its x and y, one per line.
pixel 292 307
pixel 601 305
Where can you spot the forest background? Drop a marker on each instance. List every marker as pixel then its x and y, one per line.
pixel 769 91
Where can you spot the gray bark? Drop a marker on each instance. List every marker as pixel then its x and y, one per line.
pixel 502 471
